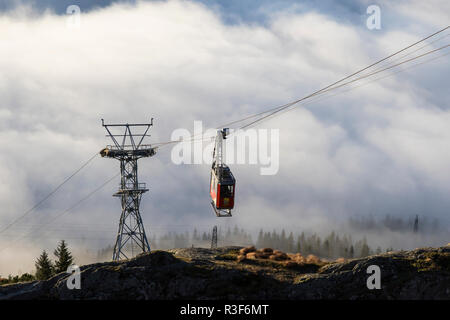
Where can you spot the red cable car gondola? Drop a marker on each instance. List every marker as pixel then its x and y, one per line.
pixel 222 182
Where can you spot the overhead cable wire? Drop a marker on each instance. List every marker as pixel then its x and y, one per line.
pixel 79 202
pixel 320 98
pixel 272 112
pixel 48 195
pixel 344 84
pixel 286 106
pixel 411 52
pixel 275 110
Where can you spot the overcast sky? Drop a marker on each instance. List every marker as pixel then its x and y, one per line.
pixel 379 149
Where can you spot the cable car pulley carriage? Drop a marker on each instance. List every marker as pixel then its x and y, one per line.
pixel 222 181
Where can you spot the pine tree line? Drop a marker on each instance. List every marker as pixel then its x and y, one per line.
pixel 229 237
pixel 396 223
pixel 45 268
pixel 332 246
pixel 170 240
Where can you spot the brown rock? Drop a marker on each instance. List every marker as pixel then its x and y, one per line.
pixel 247 250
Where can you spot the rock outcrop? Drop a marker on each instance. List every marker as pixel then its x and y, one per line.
pixel 197 273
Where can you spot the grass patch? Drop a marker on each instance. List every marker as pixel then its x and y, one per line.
pixel 230 255
pixel 433 261
pixel 226 256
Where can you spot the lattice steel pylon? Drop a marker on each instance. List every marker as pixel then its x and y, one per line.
pixel 128 151
pixel 214 238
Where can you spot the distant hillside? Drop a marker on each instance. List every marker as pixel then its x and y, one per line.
pixel 197 273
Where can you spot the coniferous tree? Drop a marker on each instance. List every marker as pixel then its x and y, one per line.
pixel 283 241
pixel 235 230
pixel 327 248
pixel 365 250
pixel 153 242
pixel 290 242
pixel 267 240
pixel 65 258
pixel 44 267
pixel 299 244
pixel 228 235
pixel 195 235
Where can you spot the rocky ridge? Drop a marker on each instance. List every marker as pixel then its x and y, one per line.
pixel 198 273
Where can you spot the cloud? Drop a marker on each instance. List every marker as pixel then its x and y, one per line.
pixel 58 6
pixel 363 151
